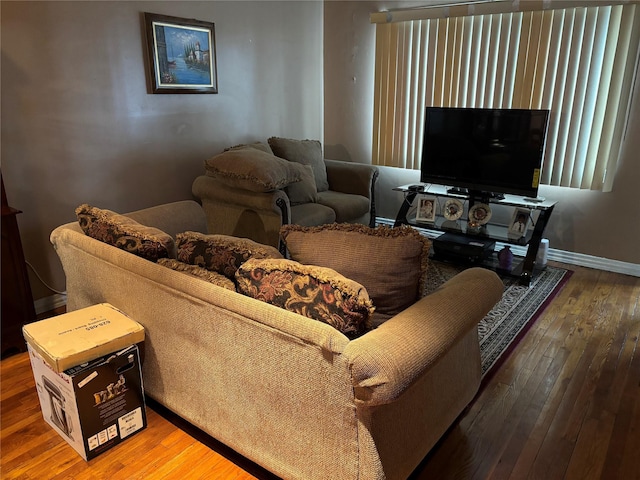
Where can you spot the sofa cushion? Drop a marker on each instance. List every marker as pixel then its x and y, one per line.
pixel 198 272
pixel 348 207
pixel 306 152
pixel 125 233
pixel 391 263
pixel 315 292
pixel 304 191
pixel 251 169
pixel 220 253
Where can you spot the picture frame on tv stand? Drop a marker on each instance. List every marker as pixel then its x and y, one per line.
pixel 519 222
pixel 426 211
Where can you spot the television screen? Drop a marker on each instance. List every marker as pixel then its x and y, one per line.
pixel 484 150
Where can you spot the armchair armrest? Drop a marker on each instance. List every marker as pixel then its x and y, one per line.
pixel 243 213
pixel 388 360
pixel 354 178
pixel 351 177
pixel 205 187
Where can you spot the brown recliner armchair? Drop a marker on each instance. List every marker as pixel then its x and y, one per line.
pixel 248 191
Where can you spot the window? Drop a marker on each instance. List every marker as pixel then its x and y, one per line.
pixel 578 62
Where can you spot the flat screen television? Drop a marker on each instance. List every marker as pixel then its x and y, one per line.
pixel 484 151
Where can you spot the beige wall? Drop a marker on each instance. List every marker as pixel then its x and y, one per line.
pixel 599 224
pixel 77 123
pixel 79 126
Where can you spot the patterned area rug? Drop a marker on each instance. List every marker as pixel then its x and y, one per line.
pixel 519 307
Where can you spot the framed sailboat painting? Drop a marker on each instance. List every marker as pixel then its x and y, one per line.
pixel 182 55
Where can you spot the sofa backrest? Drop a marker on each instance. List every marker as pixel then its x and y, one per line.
pixel 173 218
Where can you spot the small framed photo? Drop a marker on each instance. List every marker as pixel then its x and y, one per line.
pixel 182 55
pixel 426 209
pixel 519 222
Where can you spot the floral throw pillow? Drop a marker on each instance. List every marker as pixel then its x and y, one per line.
pixel 220 253
pixel 125 233
pixel 198 272
pixel 314 292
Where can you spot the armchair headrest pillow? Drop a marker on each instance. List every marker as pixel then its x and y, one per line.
pixel 252 169
pixel 306 152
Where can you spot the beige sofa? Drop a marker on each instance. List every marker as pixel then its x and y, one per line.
pixel 342 192
pixel 292 394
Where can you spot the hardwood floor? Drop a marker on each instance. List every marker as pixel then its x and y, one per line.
pixel 564 405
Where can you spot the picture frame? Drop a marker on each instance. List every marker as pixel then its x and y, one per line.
pixel 181 55
pixel 519 222
pixel 426 211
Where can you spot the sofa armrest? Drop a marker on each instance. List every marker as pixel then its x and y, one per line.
pixel 386 361
pixel 351 177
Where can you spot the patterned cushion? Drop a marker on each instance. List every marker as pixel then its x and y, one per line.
pixel 314 292
pixel 252 169
pixel 390 262
pixel 306 152
pixel 198 272
pixel 220 253
pixel 125 233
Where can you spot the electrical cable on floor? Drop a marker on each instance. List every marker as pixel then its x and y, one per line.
pixel 43 282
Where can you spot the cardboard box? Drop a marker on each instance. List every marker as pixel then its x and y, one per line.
pixel 80 336
pixel 96 405
pixel 88 375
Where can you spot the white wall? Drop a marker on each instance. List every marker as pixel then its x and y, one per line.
pixel 78 125
pixel 593 223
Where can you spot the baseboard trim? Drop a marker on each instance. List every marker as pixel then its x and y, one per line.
pixel 572 258
pixel 598 263
pixel 46 304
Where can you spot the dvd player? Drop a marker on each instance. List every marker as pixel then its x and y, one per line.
pixel 458 247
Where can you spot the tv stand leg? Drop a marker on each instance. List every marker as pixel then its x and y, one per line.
pixel 401 218
pixel 534 245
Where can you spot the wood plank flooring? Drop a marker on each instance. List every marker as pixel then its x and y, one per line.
pixel 564 405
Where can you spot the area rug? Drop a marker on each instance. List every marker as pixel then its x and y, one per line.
pixel 502 328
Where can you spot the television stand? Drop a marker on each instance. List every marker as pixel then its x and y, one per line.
pixel 491 231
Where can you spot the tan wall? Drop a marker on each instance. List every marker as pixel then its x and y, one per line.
pixel 77 123
pixel 599 224
pixel 79 126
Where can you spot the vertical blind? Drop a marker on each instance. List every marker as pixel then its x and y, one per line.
pixel 580 63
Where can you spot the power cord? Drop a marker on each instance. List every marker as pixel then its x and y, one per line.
pixel 42 281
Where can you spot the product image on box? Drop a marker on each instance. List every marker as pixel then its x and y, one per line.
pixel 96 405
pixel 57 405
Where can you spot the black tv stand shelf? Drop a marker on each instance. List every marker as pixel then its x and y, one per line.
pixel 526 269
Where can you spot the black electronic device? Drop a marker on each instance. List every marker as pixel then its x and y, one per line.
pixel 463 248
pixel 484 152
